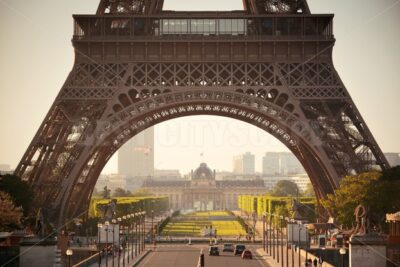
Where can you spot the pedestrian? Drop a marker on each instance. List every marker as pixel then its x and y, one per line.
pixel 320 261
pixel 315 262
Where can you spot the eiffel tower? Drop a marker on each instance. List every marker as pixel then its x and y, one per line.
pixel 137 65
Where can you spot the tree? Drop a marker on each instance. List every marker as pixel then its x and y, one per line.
pixel 119 192
pixel 285 188
pixel 10 215
pixel 351 193
pixel 309 191
pixel 142 193
pixel 19 191
pixel 106 193
pixel 378 191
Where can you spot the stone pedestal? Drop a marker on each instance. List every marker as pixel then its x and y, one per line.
pixel 367 250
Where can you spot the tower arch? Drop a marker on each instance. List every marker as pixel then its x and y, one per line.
pixel 136 65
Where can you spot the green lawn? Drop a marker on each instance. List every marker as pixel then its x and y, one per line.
pixel 193 224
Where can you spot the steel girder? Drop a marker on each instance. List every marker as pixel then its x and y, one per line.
pixel 276 6
pixel 103 105
pixel 145 7
pixel 107 100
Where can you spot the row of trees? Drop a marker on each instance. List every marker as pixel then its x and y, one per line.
pixel 120 192
pixel 378 191
pixel 15 200
pixel 286 188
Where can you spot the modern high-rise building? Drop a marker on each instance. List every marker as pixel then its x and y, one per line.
pixel 281 163
pixel 244 164
pixel 393 158
pixel 136 157
pixel 271 163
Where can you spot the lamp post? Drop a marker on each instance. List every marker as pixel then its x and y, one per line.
pixel 266 234
pixel 292 224
pixel 263 228
pixel 125 241
pixel 272 235
pixel 129 234
pixel 287 241
pixel 69 253
pixel 136 234
pixel 277 238
pixel 113 245
pixel 131 222
pixel 99 226
pixel 299 224
pixel 119 239
pixel 107 223
pixel 342 252
pixel 152 226
pixel 306 247
pixel 281 239
pixel 144 231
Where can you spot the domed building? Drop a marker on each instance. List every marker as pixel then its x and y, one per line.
pixel 202 191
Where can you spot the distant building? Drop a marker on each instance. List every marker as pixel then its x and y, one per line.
pixel 5 168
pixel 136 157
pixel 166 174
pixel 112 181
pixel 393 158
pixel 300 180
pixel 202 191
pixel 244 164
pixel 236 176
pixel 281 163
pixel 271 163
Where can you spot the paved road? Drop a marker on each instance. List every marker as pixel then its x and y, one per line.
pixel 188 256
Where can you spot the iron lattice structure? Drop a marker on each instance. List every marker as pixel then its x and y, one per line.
pixel 136 66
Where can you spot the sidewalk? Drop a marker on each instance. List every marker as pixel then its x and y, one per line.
pixel 271 262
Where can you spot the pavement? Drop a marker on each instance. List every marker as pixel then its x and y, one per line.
pixel 181 255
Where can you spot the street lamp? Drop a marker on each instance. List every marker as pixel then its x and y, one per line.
pixel 119 239
pixel 113 245
pixel 136 233
pixel 132 221
pixel 292 224
pixel 144 230
pixel 299 224
pixel 281 239
pixel 287 219
pixel 263 227
pixel 306 247
pixel 128 236
pixel 272 235
pixel 277 238
pixel 342 252
pixel 107 223
pixel 152 222
pixel 69 253
pixel 125 241
pixel 99 226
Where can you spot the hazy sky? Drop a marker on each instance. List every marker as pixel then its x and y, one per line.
pixel 36 56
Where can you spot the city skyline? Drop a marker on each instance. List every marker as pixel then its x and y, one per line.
pixel 30 81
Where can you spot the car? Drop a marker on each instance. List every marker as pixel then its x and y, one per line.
pixel 239 249
pixel 247 255
pixel 228 247
pixel 213 251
